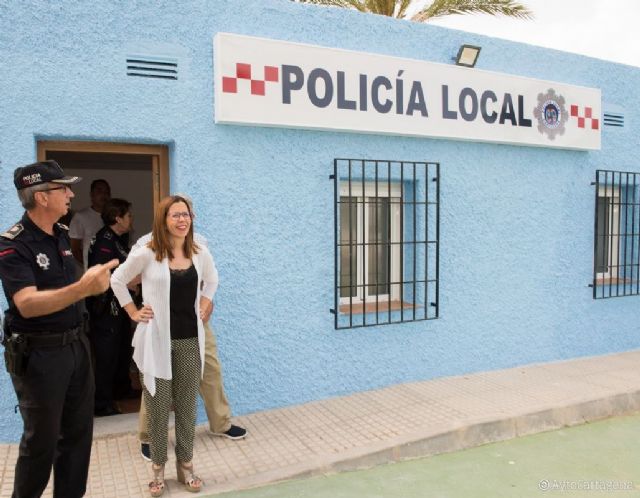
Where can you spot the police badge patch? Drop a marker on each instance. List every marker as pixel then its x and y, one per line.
pixel 551 113
pixel 43 261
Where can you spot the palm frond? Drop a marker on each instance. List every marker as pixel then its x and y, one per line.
pixel 391 8
pixel 437 8
pixel 403 5
pixel 440 8
pixel 350 4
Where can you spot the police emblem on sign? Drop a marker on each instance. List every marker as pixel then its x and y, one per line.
pixel 551 113
pixel 43 261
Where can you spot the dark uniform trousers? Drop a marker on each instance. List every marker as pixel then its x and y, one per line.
pixel 111 340
pixel 55 389
pixel 56 402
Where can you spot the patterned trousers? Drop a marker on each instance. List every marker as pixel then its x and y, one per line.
pixel 182 390
pixel 211 390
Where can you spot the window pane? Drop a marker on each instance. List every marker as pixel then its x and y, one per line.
pixel 603 235
pixel 378 275
pixel 348 253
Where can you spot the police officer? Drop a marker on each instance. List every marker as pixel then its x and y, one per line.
pixel 46 350
pixel 109 323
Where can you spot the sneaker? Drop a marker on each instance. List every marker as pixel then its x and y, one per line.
pixel 234 432
pixel 145 451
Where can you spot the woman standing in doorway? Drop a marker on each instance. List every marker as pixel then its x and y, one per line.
pixel 169 340
pixel 109 324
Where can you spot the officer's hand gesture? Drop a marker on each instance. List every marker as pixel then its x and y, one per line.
pixel 96 279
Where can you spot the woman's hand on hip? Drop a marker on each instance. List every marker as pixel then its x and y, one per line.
pixel 206 308
pixel 143 314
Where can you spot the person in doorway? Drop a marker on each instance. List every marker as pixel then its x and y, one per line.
pixel 109 323
pixel 212 392
pixel 46 350
pixel 86 222
pixel 179 280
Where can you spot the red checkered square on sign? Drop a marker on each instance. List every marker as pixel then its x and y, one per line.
pixel 257 87
pixel 243 71
pixel 229 85
pixel 270 73
pixel 587 113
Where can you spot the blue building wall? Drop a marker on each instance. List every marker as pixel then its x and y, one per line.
pixel 516 222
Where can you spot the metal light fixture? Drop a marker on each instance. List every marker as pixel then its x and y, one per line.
pixel 467 55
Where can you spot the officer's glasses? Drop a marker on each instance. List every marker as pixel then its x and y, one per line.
pixel 63 187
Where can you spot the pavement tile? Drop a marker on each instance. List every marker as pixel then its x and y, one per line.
pixel 369 428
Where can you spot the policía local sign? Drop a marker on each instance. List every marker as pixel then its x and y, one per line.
pixel 275 83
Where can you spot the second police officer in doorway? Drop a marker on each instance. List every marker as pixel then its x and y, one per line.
pixel 109 323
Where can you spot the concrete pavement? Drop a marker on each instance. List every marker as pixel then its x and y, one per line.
pixel 599 459
pixel 370 428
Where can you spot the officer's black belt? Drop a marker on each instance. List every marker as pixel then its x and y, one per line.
pixel 51 339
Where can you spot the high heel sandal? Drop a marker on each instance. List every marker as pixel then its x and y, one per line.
pixel 186 476
pixel 156 487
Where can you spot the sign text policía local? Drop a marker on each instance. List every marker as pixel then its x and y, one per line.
pixel 274 83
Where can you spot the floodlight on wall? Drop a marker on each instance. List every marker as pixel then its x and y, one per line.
pixel 467 55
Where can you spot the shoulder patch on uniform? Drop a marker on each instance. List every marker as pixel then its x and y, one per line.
pixel 108 235
pixel 63 226
pixel 13 232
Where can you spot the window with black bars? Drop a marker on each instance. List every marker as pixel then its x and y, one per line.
pixel 616 246
pixel 386 229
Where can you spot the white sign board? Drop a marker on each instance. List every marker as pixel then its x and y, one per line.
pixel 267 82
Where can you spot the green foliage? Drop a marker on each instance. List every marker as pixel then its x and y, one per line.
pixel 437 8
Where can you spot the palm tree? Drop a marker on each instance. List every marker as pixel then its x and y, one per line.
pixel 437 8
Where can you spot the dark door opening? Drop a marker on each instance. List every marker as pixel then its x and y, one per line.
pixel 135 172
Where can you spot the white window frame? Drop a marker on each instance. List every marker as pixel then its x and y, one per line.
pixel 612 237
pixel 386 190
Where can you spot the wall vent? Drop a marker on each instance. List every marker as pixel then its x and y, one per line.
pixel 152 67
pixel 613 119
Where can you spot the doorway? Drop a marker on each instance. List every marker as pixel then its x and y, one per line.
pixel 138 173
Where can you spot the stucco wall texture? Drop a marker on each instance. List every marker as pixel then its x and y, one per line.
pixel 516 250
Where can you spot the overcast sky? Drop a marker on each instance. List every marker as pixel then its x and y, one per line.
pixel 606 29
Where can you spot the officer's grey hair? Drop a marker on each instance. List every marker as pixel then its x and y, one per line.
pixel 27 195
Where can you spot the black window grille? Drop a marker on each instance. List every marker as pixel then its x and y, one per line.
pixel 386 230
pixel 616 245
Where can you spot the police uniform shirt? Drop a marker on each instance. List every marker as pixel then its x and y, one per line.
pixel 106 246
pixel 29 257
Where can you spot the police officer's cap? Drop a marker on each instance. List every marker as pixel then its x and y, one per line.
pixel 42 172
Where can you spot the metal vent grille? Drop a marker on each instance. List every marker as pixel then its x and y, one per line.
pixel 152 67
pixel 611 119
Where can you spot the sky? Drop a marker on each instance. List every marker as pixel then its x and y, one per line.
pixel 606 29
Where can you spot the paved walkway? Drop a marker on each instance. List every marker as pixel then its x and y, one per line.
pixel 369 428
pixel 598 460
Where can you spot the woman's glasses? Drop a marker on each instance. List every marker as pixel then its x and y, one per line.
pixel 177 216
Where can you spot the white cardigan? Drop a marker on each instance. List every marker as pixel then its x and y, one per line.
pixel 152 340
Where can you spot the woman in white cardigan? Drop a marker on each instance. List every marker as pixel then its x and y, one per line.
pixel 178 279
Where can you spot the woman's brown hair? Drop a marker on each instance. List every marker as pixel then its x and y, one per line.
pixel 160 242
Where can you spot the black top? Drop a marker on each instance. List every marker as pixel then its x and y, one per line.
pixel 30 257
pixel 182 301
